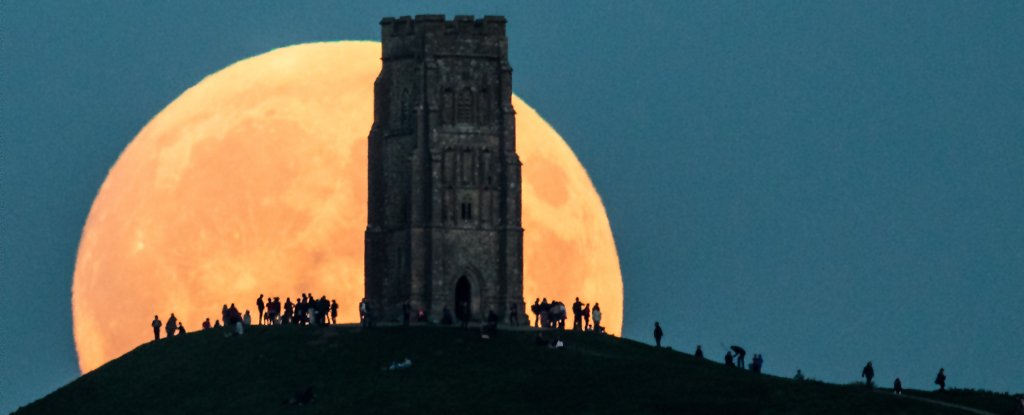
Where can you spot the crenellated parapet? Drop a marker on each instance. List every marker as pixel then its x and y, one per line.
pixel 432 34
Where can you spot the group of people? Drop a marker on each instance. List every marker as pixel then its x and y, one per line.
pixel 553 315
pixel 732 360
pixel 740 356
pixel 306 310
pixel 172 328
pixel 868 373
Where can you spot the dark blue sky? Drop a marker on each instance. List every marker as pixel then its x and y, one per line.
pixel 825 183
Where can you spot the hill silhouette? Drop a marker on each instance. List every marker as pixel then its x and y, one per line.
pixel 452 371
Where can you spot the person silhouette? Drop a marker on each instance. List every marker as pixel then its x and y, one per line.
pixel 545 313
pixel 868 373
pixel 513 314
pixel 535 308
pixel 897 387
pixel 741 355
pixel 446 316
pixel 491 328
pixel 288 307
pixel 259 308
pixel 657 334
pixel 755 365
pixel 181 329
pixel 799 375
pixel 246 319
pixel 577 315
pixel 699 353
pixel 233 314
pixel 597 318
pixel 940 379
pixel 334 312
pixel 462 312
pixel 586 317
pixel 172 324
pixel 362 312
pixel 156 327
pixel 206 323
pixel 728 359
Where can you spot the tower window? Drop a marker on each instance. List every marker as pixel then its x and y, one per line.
pixel 464 107
pixel 467 211
pixel 448 106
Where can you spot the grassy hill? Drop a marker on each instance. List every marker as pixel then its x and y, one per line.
pixel 453 371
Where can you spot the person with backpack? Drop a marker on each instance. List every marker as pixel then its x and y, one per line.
pixel 940 379
pixel 172 325
pixel 868 373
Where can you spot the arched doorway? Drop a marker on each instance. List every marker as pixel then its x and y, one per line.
pixel 463 299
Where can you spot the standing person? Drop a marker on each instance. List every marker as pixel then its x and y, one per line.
pixel 728 359
pixel 586 317
pixel 462 313
pixel 657 334
pixel 868 373
pixel 699 353
pixel 246 319
pixel 446 316
pixel 756 366
pixel 156 327
pixel 259 308
pixel 597 318
pixel 536 308
pixel 940 379
pixel 741 356
pixel 897 387
pixel 362 312
pixel 334 312
pixel 545 313
pixel 324 310
pixel 513 314
pixel 288 306
pixel 276 311
pixel 233 314
pixel 172 325
pixel 577 315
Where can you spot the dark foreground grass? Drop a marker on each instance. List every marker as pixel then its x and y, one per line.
pixel 454 371
pixel 997 403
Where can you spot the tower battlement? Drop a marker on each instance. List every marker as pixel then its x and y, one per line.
pixel 433 35
pixel 439 26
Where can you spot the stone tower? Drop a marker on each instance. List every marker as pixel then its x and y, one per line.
pixel 443 226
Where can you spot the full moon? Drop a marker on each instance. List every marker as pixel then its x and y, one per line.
pixel 254 181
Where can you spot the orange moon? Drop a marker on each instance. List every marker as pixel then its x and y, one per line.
pixel 254 181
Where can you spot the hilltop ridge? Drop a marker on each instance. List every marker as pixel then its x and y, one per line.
pixel 452 371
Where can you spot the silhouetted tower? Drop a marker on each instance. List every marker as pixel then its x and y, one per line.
pixel 443 225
